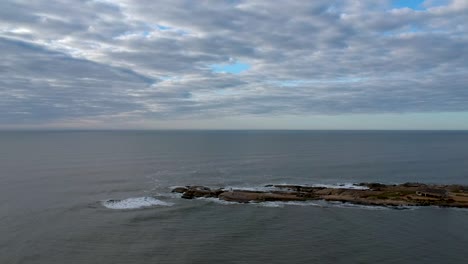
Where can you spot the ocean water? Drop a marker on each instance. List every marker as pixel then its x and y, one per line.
pixel 104 197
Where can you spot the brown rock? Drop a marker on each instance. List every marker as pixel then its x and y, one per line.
pixel 246 196
pixel 378 194
pixel 200 191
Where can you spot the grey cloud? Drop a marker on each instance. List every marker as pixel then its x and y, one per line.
pixel 39 84
pixel 96 59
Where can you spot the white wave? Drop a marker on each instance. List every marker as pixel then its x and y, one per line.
pixel 268 204
pixel 260 204
pixel 283 204
pixel 169 195
pixel 250 188
pixel 324 185
pixel 218 201
pixel 341 186
pixel 176 186
pixel 270 188
pixel 455 209
pixel 134 203
pixel 357 206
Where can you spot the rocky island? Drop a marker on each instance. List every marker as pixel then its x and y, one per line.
pixel 376 194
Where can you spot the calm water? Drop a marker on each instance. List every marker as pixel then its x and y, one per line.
pixel 53 188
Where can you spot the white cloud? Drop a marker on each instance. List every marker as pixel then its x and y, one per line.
pixel 147 60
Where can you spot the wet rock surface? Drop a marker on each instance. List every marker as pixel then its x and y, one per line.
pixel 248 196
pixel 406 194
pixel 200 191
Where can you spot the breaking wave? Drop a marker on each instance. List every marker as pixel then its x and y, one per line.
pixel 134 203
pixel 251 188
pixel 271 187
pixel 283 204
pixel 342 186
pixel 261 204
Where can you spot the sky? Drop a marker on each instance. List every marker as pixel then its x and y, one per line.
pixel 233 64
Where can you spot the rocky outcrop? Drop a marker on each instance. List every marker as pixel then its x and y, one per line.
pixel 407 194
pixel 248 196
pixel 198 191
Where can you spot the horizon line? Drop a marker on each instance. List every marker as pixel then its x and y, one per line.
pixel 203 129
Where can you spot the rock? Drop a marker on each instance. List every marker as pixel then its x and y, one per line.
pixel 374 185
pixel 200 191
pixel 246 196
pixel 179 190
pixel 457 188
pixel 413 184
pixel 377 194
pixel 297 188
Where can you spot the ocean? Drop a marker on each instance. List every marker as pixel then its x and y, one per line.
pixel 56 187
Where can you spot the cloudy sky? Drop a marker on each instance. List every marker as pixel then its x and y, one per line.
pixel 233 64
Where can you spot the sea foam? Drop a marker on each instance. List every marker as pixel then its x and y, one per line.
pixel 251 188
pixel 134 203
pixel 283 204
pixel 342 186
pixel 261 204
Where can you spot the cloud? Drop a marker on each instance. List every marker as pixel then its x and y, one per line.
pixel 121 61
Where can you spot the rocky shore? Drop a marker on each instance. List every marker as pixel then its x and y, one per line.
pixel 376 194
